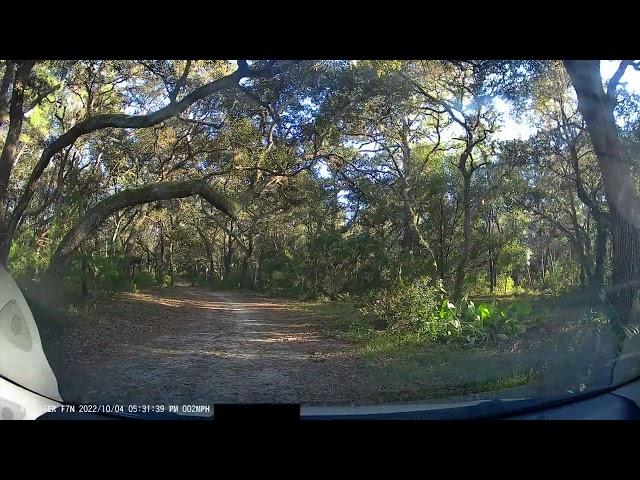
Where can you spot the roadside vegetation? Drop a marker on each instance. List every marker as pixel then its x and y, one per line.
pixel 425 210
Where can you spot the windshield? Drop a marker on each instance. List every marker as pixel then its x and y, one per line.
pixel 329 233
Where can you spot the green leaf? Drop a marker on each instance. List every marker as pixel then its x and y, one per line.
pixel 484 312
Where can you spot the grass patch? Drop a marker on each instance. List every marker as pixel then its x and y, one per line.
pixel 442 391
pixel 341 319
pixel 516 379
pixel 389 344
pixel 561 340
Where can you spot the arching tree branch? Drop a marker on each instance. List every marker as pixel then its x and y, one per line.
pixel 102 121
pixel 94 218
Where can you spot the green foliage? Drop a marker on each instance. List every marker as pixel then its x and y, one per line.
pixel 108 275
pixel 423 309
pixel 562 278
pixel 281 276
pixel 322 228
pixel 143 280
pixel 405 307
pixel 343 318
pixel 490 322
pixel 24 261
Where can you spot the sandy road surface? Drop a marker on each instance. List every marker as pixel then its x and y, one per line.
pixel 201 347
pixel 192 346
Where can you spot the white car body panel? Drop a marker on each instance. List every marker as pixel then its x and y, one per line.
pixel 22 360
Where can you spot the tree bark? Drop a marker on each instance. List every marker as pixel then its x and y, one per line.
pixel 466 241
pixel 412 239
pixel 602 234
pixel 16 117
pixel 441 241
pixel 244 275
pixel 161 262
pixel 601 217
pixel 492 271
pixel 596 107
pixel 83 273
pixel 7 78
pixel 228 255
pixel 129 243
pixel 127 198
pixel 172 269
pixel 208 247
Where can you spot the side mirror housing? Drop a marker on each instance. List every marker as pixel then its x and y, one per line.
pixel 23 364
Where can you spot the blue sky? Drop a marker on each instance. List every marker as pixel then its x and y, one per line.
pixel 512 129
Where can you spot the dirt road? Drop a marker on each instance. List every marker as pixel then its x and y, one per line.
pixel 191 345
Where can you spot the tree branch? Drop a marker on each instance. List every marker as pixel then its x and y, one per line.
pixel 228 231
pixel 615 79
pixel 217 126
pixel 99 122
pixel 181 81
pixel 94 218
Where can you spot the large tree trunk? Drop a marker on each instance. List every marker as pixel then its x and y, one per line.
pixel 413 241
pixel 161 258
pixel 208 247
pixel 16 117
pixel 246 259
pixel 228 256
pixel 83 273
pixel 127 198
pixel 466 239
pixel 601 217
pixel 602 234
pixel 7 78
pixel 409 237
pixel 492 263
pixel 10 148
pixel 441 242
pixel 129 243
pixel 597 107
pixel 492 271
pixel 172 266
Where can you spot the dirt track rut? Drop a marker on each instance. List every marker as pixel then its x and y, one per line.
pixel 203 347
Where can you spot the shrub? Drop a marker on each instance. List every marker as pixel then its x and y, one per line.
pixel 561 279
pixel 405 306
pixel 423 309
pixel 489 322
pixel 143 279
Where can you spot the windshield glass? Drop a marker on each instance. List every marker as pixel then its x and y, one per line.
pixel 329 233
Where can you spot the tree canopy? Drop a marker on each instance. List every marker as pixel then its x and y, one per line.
pixel 321 178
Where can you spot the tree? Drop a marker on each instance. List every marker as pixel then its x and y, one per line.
pixel 597 108
pixel 93 123
pixel 127 198
pixel 452 89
